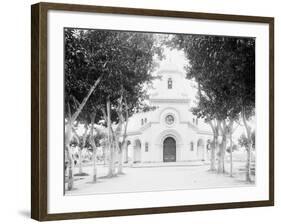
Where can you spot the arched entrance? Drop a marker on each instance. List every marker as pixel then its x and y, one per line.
pixel 200 149
pixel 169 150
pixel 137 151
pixel 126 153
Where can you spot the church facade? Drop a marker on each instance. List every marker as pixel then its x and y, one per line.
pixel 170 133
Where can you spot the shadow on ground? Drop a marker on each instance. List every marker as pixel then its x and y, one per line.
pixel 24 213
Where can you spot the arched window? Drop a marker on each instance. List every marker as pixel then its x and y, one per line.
pixel 146 146
pixel 145 120
pixel 191 146
pixel 170 83
pixel 141 121
pixel 208 145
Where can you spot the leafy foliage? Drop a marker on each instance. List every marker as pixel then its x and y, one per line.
pixel 244 142
pixel 124 59
pixel 234 148
pixel 224 68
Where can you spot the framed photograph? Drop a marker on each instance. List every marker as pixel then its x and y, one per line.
pixel 139 111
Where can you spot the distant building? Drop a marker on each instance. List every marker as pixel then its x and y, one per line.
pixel 170 133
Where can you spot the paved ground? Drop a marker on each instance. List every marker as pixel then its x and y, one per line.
pixel 156 179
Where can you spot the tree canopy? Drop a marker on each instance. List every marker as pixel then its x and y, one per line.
pixel 224 68
pixel 123 59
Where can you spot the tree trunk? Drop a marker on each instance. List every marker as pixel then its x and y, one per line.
pixel 94 158
pixel 127 156
pixel 81 144
pixel 109 139
pixel 115 145
pixel 93 144
pixel 248 165
pixel 114 158
pixel 120 158
pixel 222 148
pixel 84 101
pixel 80 161
pixel 70 170
pixel 104 154
pixel 71 119
pixel 214 147
pixel 120 162
pixel 69 156
pixel 121 147
pixel 221 168
pixel 111 161
pixel 231 160
pixel 213 152
pixel 223 152
pixel 249 148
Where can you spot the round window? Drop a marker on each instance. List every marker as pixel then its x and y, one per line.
pixel 169 119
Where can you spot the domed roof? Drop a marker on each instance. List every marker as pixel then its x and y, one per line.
pixel 174 62
pixel 170 65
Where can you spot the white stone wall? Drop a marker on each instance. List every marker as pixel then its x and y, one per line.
pixel 152 128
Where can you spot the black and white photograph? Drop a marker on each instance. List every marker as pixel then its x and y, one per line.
pixel 157 111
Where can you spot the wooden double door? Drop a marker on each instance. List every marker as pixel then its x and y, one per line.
pixel 169 150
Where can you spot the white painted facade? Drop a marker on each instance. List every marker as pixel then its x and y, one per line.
pixel 188 137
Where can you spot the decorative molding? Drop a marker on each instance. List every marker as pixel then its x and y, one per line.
pixel 165 71
pixel 170 133
pixel 169 100
pixel 134 133
pixel 204 132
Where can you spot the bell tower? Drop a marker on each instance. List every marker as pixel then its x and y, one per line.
pixel 171 86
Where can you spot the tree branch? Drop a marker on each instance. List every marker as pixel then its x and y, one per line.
pixel 75 115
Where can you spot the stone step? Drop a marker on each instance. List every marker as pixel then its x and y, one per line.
pixel 168 164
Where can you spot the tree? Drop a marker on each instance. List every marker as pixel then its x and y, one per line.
pixel 83 72
pixel 245 143
pixel 253 137
pixel 103 67
pixel 122 92
pixel 223 67
pixel 243 64
pixel 81 145
pixel 234 148
pixel 208 58
pixel 94 138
